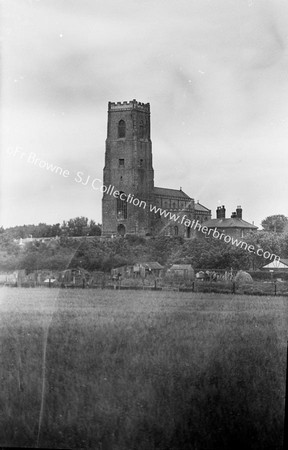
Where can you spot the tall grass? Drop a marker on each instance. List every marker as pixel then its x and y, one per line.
pixel 141 370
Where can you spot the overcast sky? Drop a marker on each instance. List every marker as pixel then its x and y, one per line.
pixel 215 73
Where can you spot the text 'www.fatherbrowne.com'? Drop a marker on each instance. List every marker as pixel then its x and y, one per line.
pixel 196 225
pixel 96 185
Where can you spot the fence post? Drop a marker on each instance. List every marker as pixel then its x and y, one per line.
pixel 275 288
pixel 285 440
pixel 233 287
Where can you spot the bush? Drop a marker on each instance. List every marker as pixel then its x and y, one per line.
pixel 132 239
pixel 243 277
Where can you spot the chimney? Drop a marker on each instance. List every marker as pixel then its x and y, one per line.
pixel 220 212
pixel 239 212
pixel 233 215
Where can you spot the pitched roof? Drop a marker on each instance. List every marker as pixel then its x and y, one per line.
pixel 170 193
pixel 153 265
pixel 181 267
pixel 281 264
pixel 232 222
pixel 199 207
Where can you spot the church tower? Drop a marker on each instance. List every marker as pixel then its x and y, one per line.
pixel 128 170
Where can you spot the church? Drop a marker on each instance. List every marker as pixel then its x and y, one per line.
pixel 131 203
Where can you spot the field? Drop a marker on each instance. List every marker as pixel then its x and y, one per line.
pixel 125 370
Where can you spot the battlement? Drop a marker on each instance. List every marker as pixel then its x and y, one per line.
pixel 124 106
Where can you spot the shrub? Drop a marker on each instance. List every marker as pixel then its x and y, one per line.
pixel 243 277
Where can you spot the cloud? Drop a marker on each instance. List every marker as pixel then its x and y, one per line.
pixel 215 74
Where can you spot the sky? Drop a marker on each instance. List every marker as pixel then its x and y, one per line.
pixel 215 73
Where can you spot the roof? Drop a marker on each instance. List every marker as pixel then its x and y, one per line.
pixel 153 265
pixel 232 222
pixel 170 193
pixel 281 264
pixel 199 207
pixel 181 267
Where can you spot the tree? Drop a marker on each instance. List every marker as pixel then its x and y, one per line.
pixel 78 226
pixel 94 229
pixel 267 242
pixel 277 223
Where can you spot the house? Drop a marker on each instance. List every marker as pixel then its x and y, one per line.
pixel 233 226
pixel 281 264
pixel 184 271
pixel 147 269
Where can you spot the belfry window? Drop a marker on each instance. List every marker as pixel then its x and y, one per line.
pixel 141 130
pixel 122 206
pixel 121 162
pixel 121 129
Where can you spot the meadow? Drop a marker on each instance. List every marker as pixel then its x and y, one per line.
pixel 125 370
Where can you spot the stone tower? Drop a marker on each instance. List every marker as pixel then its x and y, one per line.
pixel 128 170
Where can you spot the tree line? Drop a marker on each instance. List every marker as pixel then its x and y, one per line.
pixel 104 254
pixel 79 226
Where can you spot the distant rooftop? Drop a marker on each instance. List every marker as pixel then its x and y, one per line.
pixel 171 193
pixel 199 207
pixel 152 265
pixel 232 222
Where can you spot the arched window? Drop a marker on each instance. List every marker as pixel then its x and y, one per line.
pixel 141 130
pixel 121 229
pixel 176 230
pixel 121 129
pixel 122 206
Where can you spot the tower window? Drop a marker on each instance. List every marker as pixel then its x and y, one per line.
pixel 176 230
pixel 122 206
pixel 141 130
pixel 121 162
pixel 121 129
pixel 141 163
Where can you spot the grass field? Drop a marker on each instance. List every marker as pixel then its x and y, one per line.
pixel 141 370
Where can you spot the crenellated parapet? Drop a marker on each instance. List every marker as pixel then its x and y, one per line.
pixel 125 106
